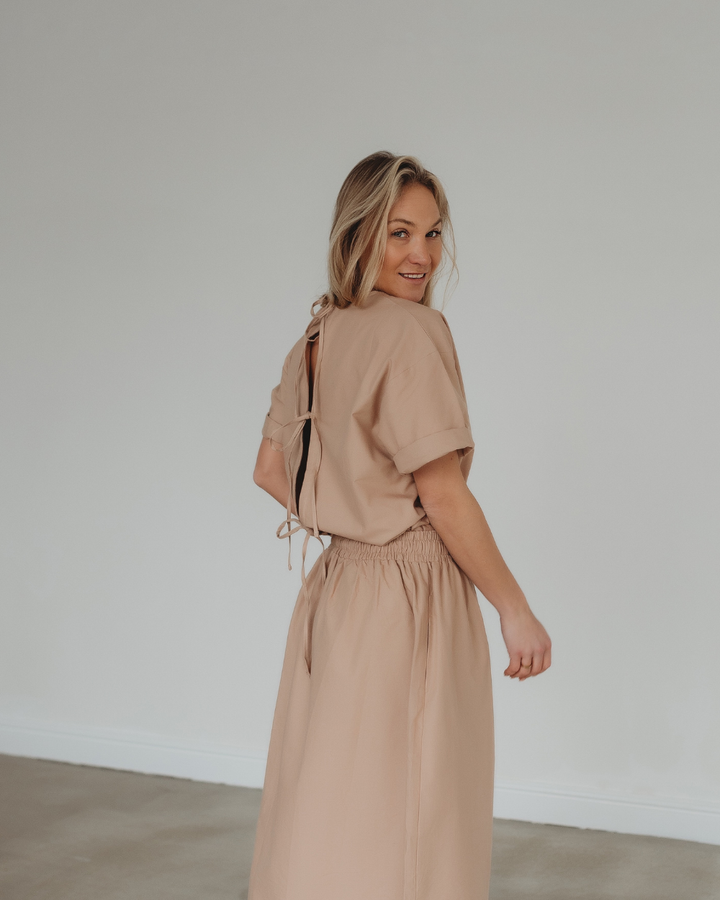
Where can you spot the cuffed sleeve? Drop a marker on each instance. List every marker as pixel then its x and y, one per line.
pixel 282 404
pixel 432 447
pixel 423 413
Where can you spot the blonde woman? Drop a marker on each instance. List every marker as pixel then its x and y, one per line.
pixel 379 778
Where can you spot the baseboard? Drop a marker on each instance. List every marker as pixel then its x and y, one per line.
pixel 223 764
pixel 135 752
pixel 680 819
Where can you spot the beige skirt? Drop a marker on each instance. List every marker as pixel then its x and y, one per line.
pixel 379 779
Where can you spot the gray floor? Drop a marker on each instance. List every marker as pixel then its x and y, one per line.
pixel 79 833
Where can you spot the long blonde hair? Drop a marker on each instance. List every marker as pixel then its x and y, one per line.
pixel 358 234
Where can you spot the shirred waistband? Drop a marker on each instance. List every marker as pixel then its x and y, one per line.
pixel 424 545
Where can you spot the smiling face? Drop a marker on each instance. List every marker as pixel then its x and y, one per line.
pixel 414 244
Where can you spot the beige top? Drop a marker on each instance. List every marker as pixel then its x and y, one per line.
pixel 387 397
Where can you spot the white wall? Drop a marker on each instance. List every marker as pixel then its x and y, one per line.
pixel 168 176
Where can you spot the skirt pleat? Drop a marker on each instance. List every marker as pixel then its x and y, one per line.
pixel 379 778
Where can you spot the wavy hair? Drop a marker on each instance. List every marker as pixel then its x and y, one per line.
pixel 359 234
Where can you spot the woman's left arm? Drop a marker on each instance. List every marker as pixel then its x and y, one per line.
pixel 457 517
pixel 269 473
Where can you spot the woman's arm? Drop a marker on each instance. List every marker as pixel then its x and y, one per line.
pixel 457 517
pixel 269 473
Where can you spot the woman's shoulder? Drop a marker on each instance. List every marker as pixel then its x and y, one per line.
pixel 405 324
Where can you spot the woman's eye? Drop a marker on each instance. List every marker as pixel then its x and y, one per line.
pixel 399 233
pixel 434 233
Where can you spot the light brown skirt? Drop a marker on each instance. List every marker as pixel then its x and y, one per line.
pixel 379 779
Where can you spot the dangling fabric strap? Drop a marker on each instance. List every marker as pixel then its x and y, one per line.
pixel 292 523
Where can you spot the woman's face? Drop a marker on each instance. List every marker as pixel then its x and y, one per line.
pixel 414 244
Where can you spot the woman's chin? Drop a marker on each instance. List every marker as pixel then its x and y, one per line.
pixel 415 295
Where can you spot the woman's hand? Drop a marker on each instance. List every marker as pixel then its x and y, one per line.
pixel 527 642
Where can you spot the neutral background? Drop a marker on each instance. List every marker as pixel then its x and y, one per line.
pixel 168 175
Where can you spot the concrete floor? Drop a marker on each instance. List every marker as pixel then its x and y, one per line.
pixel 80 833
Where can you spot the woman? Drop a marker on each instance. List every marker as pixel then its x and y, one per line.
pixel 379 776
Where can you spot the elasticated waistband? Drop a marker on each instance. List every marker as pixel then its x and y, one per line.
pixel 422 545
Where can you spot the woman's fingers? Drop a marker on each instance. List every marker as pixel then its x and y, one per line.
pixel 525 666
pixel 521 666
pixel 513 669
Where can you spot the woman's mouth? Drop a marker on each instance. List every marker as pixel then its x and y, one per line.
pixel 413 276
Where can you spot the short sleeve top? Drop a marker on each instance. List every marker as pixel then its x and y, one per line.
pixel 388 397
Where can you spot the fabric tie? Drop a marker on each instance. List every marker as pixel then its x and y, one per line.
pixel 291 519
pixel 292 524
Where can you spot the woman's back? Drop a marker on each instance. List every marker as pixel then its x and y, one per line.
pixel 388 397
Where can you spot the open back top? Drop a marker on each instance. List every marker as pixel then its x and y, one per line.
pixel 387 397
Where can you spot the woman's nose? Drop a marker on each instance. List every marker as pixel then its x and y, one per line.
pixel 419 254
